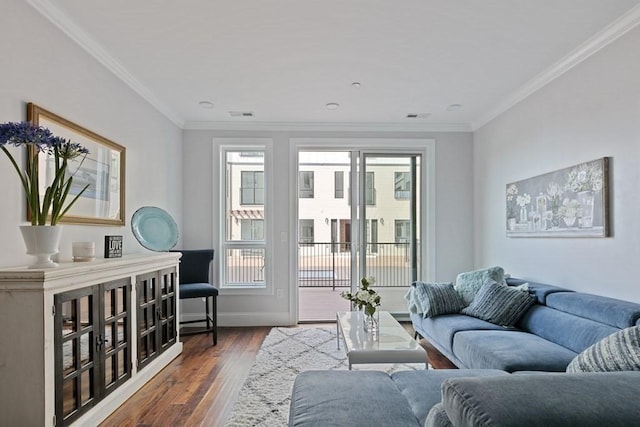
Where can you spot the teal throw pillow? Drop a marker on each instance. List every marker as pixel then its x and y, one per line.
pixel 619 351
pixel 499 304
pixel 468 284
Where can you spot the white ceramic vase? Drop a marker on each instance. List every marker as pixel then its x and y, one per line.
pixel 42 241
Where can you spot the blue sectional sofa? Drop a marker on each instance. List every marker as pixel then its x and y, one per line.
pixel 561 324
pixel 496 385
pixel 464 397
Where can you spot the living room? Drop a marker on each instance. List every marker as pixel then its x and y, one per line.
pixel 574 107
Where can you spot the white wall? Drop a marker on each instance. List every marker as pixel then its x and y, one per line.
pixel 42 65
pixel 453 205
pixel 590 112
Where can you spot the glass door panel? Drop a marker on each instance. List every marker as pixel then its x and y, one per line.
pixel 390 225
pixel 325 250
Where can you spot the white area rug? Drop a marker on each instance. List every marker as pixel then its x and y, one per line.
pixel 266 394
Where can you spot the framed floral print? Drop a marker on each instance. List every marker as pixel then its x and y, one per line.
pixel 570 202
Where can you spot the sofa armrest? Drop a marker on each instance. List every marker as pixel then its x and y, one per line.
pixel 541 400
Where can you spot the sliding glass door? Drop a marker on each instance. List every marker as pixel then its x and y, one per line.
pixel 358 215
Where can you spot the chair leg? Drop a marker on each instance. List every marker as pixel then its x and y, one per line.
pixel 215 320
pixel 206 305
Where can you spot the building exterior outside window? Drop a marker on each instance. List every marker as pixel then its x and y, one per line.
pixel 252 189
pixel 402 185
pixel 306 184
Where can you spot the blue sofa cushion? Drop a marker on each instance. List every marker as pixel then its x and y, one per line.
pixel 574 333
pixel 468 284
pixel 437 417
pixel 620 314
pixel 617 352
pixel 499 304
pixel 588 399
pixel 510 351
pixel 422 388
pixel 433 299
pixel 539 290
pixel 440 330
pixel 341 398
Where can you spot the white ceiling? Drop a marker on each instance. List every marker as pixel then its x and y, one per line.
pixel 284 60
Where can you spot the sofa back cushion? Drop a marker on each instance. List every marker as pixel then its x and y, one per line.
pixel 572 332
pixel 613 312
pixel 539 290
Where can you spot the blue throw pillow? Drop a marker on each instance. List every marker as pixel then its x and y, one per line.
pixel 434 299
pixel 619 351
pixel 468 284
pixel 499 304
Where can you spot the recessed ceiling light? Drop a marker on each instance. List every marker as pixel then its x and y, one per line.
pixel 355 84
pixel 206 104
pixel 454 107
pixel 332 106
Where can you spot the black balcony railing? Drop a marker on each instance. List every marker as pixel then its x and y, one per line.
pixel 329 264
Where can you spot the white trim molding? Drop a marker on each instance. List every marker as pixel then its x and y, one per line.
pixel 93 48
pixel 603 38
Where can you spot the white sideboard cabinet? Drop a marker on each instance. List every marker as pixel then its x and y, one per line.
pixel 78 340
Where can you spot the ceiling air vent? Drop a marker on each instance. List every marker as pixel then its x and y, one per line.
pixel 241 113
pixel 418 116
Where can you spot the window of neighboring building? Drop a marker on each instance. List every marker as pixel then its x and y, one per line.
pixel 402 185
pixel 252 229
pixel 305 185
pixel 372 236
pixel 403 230
pixel 252 189
pixel 306 231
pixel 370 189
pixel 338 191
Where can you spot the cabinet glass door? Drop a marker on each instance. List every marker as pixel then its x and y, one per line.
pixel 116 346
pixel 76 332
pixel 156 314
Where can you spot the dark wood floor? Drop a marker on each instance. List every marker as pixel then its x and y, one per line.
pixel 200 387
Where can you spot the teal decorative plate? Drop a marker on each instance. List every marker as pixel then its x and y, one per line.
pixel 154 228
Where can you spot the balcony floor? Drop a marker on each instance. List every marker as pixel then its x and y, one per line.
pixel 320 304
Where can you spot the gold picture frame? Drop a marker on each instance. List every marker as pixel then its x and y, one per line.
pixel 103 203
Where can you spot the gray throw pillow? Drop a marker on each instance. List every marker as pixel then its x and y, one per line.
pixel 468 284
pixel 619 351
pixel 499 304
pixel 437 298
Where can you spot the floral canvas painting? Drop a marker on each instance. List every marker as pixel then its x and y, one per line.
pixel 570 202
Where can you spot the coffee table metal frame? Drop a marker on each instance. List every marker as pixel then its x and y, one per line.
pixel 391 344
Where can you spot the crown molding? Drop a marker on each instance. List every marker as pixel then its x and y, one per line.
pixel 604 37
pixel 326 126
pixel 85 41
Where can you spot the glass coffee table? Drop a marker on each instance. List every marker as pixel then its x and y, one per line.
pixel 391 344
